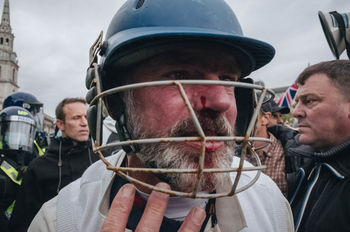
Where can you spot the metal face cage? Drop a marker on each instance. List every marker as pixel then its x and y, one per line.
pixel 246 140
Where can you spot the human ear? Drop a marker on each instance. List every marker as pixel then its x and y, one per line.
pixel 265 118
pixel 60 124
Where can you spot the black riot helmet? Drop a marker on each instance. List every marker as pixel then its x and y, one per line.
pixel 29 102
pixel 17 132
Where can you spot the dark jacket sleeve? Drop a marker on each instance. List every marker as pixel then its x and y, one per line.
pixel 27 204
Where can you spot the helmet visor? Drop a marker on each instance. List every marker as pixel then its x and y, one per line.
pixel 38 114
pixel 17 133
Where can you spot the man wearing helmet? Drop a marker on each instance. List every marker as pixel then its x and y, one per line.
pixel 17 131
pixel 171 72
pixel 35 107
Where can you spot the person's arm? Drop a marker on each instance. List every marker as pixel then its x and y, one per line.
pixel 152 217
pixel 27 203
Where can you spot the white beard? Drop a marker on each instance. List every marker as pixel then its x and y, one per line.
pixel 173 156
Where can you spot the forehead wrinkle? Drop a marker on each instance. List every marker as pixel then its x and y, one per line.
pixel 306 92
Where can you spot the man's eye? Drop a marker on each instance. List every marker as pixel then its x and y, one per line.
pixel 227 78
pixel 308 101
pixel 178 75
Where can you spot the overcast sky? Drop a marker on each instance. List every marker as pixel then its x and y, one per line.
pixel 52 40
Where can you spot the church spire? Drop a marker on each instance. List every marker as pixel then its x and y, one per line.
pixel 8 58
pixel 5 19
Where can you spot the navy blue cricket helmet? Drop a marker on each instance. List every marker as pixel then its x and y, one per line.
pixel 141 29
pixel 144 28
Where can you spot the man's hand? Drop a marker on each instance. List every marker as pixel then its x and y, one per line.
pixel 152 217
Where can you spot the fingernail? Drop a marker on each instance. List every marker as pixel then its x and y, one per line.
pixel 163 185
pixel 127 190
pixel 198 215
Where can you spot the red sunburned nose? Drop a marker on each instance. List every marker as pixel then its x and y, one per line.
pixel 214 97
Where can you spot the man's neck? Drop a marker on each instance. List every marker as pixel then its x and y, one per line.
pixel 263 133
pixel 74 142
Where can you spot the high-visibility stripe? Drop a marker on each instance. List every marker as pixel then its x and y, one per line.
pixel 41 151
pixel 10 172
pixel 9 210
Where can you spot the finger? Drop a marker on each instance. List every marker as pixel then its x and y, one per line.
pixel 118 214
pixel 152 217
pixel 194 220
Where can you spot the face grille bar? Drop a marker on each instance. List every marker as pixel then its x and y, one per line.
pixel 202 138
pixel 246 141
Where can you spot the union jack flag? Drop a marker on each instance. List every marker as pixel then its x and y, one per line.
pixel 287 98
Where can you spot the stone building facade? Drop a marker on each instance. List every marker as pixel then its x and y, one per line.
pixel 8 58
pixel 9 64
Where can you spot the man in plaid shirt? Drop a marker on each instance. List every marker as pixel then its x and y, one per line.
pixel 270 154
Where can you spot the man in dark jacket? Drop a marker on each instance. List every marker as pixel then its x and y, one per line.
pixel 323 112
pixel 295 164
pixel 17 132
pixel 64 161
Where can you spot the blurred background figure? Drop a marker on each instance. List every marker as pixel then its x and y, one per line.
pixel 281 165
pixel 281 134
pixel 270 154
pixel 35 107
pixel 65 160
pixel 276 112
pixel 17 131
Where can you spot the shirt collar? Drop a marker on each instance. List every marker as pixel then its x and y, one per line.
pixel 341 161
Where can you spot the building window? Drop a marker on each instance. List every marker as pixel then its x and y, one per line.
pixel 1 40
pixel 7 41
pixel 13 75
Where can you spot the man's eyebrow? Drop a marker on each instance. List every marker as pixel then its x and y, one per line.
pixel 77 115
pixel 306 95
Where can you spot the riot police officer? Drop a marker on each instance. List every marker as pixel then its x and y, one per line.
pixel 17 132
pixel 35 107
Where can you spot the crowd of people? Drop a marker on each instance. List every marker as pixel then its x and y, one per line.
pixel 178 143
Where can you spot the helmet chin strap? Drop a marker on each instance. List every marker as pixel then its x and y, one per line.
pixel 124 134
